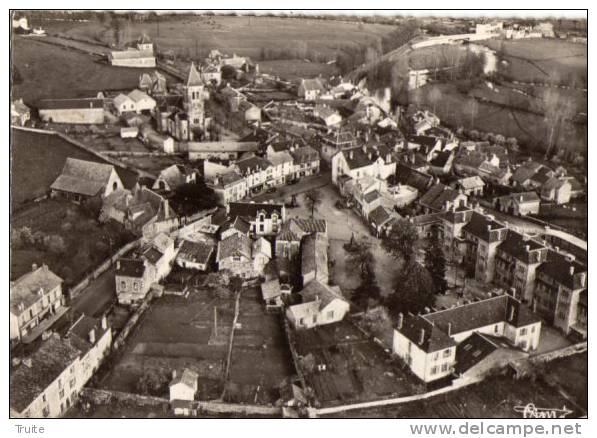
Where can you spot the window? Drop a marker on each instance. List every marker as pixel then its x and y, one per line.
pixel 261 218
pixel 72 383
pixel 331 314
pixel 302 321
pixel 496 328
pixel 136 286
pixel 44 398
pixel 261 228
pixel 61 394
pixel 314 319
pixel 434 370
pixel 533 329
pixel 447 353
pixel 467 347
pixel 46 411
pixel 122 285
pixel 523 331
pixel 444 367
pixel 435 356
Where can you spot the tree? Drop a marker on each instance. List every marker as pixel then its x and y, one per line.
pixel 313 199
pixel 435 262
pixel 434 96
pixel 368 291
pixel 360 258
pixel 558 108
pixel 400 241
pixel 413 290
pixel 194 196
pixel 152 382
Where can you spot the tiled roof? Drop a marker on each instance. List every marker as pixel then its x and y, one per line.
pixel 324 294
pixel 83 177
pixel 187 377
pixel 223 146
pixel 525 172
pixel 194 78
pixel 309 225
pixel 379 216
pixel 437 197
pixel 49 104
pixel 371 196
pixel 441 159
pixel 252 164
pixel 130 268
pixel 471 182
pixel 312 84
pixel 25 290
pixel 417 329
pixel 516 244
pixel 78 333
pixel 305 154
pixel 414 178
pixel 314 256
pixel 132 54
pixel 279 158
pixel 234 245
pixel 473 350
pixel 195 252
pixel 47 363
pixel 357 157
pixel 270 289
pixel 138 95
pixel 525 197
pixel 482 313
pixel 250 210
pixel 479 224
pixel 558 267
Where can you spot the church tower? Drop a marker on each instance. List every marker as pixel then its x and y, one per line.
pixel 194 98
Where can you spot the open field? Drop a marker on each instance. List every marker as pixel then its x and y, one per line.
pixel 296 68
pixel 261 359
pixel 175 333
pixel 530 129
pixel 356 369
pixel 493 398
pixel 571 374
pixel 37 159
pixel 49 71
pixel 245 36
pixel 543 60
pixel 78 242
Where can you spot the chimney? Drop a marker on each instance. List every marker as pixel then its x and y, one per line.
pixel 449 329
pixel 511 316
pixel 527 248
pixel 422 337
pixel 118 264
pixel 92 336
pixel 34 267
pixel 173 374
pixel 571 269
pixel 104 323
pixel 400 320
pixel 350 154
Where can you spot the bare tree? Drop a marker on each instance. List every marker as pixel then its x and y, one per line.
pixel 434 96
pixel 313 198
pixel 558 108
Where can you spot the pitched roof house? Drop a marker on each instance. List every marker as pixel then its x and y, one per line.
pixel 81 179
pixel 322 304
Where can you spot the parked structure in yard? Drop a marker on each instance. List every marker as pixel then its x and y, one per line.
pixel 322 304
pixel 47 383
pixel 34 297
pixel 81 180
pixel 184 385
pixel 428 342
pixel 72 111
pixel 265 219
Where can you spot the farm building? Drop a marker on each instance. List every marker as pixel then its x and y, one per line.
pixel 124 104
pixel 222 150
pixel 184 385
pixel 72 111
pixel 194 255
pixel 141 57
pixel 142 101
pixel 19 113
pixel 82 180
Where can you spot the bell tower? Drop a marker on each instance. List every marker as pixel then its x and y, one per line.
pixel 194 98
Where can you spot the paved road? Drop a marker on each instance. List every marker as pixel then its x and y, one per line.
pixel 305 184
pixel 97 297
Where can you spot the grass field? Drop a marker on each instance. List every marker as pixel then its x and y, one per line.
pixel 86 243
pixel 175 333
pixel 530 129
pixel 53 72
pixel 543 60
pixel 37 159
pixel 244 36
pixel 296 68
pixel 261 359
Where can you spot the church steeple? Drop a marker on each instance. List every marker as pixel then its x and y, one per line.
pixel 194 79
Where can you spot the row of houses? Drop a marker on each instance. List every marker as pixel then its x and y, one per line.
pixel 551 282
pixel 252 173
